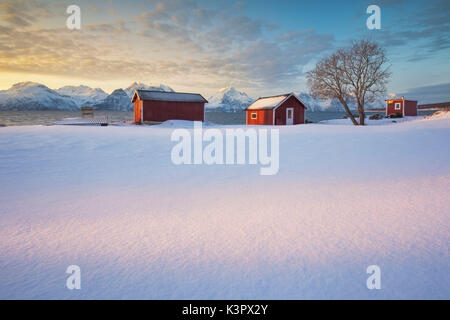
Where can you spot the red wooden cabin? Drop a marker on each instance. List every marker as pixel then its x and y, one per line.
pixel 402 106
pixel 159 106
pixel 286 109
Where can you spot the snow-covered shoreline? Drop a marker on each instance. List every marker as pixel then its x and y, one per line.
pixel 369 122
pixel 110 200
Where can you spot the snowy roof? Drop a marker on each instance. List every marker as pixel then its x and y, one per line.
pixel 402 98
pixel 271 102
pixel 167 96
pixel 267 102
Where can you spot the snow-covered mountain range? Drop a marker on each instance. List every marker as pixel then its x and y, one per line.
pixel 228 100
pixel 83 95
pixel 120 99
pixel 139 85
pixel 314 104
pixel 231 100
pixel 36 96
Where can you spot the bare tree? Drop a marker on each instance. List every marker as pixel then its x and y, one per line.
pixel 327 81
pixel 357 74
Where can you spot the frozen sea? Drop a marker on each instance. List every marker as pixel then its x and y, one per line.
pixel 19 118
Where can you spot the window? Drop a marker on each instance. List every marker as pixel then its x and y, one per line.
pixel 254 115
pixel 289 114
pixel 398 106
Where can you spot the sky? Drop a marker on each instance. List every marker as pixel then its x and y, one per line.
pixel 259 47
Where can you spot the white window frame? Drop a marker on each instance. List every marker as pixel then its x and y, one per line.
pixel 398 106
pixel 254 114
pixel 290 112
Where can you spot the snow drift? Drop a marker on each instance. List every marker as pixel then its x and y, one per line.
pixel 110 200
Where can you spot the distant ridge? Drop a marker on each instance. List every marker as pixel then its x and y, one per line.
pixel 36 96
pixel 229 100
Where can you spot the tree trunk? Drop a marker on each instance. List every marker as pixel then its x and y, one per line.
pixel 362 114
pixel 349 113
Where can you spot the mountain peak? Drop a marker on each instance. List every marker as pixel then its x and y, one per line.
pixel 137 84
pixel 142 86
pixel 117 100
pixel 83 95
pixel 226 89
pixel 28 88
pixel 21 86
pixel 34 96
pixel 229 99
pixel 119 91
pixel 231 91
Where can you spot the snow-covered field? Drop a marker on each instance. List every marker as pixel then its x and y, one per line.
pixel 381 122
pixel 110 200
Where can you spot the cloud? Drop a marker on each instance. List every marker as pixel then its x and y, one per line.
pixel 429 94
pixel 280 61
pixel 117 27
pixel 85 53
pixel 173 42
pixel 231 45
pixel 423 29
pixel 23 13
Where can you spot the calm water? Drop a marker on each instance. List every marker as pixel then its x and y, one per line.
pixel 21 118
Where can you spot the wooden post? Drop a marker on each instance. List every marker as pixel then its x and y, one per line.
pixel 87 112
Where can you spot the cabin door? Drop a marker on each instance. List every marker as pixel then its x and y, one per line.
pixel 289 116
pixel 138 111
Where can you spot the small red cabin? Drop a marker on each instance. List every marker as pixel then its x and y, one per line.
pixel 286 109
pixel 402 106
pixel 159 106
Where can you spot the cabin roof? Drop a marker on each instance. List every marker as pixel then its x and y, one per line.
pixel 402 99
pixel 167 96
pixel 272 102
